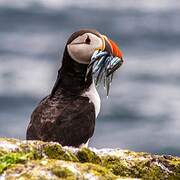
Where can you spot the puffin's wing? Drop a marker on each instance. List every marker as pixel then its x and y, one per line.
pixel 75 124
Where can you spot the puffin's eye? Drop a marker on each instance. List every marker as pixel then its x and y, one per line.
pixel 88 40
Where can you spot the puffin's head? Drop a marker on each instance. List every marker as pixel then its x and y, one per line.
pixel 100 54
pixel 82 45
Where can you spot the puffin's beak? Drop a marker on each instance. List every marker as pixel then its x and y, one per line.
pixel 111 47
pixel 113 51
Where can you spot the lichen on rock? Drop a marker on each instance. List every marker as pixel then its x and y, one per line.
pixel 49 160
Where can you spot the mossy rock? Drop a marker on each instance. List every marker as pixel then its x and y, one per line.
pixel 86 155
pixel 49 160
pixel 55 151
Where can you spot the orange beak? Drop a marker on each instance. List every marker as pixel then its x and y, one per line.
pixel 111 47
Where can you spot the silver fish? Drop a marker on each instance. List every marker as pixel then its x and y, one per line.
pixel 103 67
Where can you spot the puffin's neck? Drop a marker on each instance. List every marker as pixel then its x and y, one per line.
pixel 71 77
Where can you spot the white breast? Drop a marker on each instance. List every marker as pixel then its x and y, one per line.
pixel 93 96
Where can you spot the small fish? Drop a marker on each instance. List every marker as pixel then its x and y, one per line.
pixel 103 67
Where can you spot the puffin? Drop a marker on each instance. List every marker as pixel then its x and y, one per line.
pixel 68 114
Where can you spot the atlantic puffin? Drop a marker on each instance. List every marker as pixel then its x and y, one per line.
pixel 68 114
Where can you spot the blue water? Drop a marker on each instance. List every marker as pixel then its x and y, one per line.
pixel 142 112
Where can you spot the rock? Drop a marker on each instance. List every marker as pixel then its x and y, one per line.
pixel 48 160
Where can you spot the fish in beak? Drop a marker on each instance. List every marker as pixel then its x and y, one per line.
pixel 105 61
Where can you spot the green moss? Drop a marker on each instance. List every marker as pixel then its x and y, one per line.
pixel 2 152
pixel 117 166
pixel 86 155
pixel 34 147
pixel 135 168
pixel 63 172
pixel 152 172
pixel 155 173
pixel 175 162
pixel 175 166
pixel 10 159
pixel 97 170
pixel 55 151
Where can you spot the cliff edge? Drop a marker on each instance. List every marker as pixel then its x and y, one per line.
pixel 48 160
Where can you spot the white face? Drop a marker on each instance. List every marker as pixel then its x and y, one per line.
pixel 82 48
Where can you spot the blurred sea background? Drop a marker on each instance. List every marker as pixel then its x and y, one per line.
pixel 142 112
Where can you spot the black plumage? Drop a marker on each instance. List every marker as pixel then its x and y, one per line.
pixel 69 120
